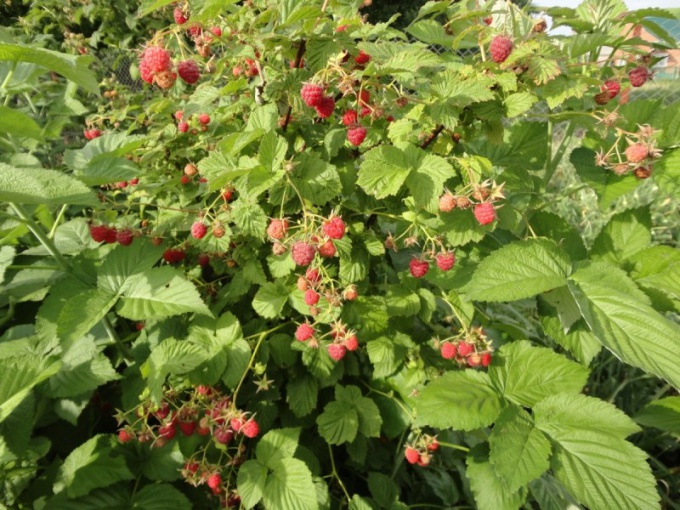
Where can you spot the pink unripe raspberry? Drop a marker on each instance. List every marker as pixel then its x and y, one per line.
pixel 637 153
pixel 327 249
pixel 446 260
pixel 500 48
pixel 214 481
pixel 418 267
pixel 485 213
pixel 312 94
pixel 277 229
pixel 412 455
pixel 250 429
pixel 351 343
pixel 447 202
pixel 350 293
pixel 334 227
pixel 337 351
pixel 356 135
pixel 183 127
pixel 302 253
pixel 465 349
pixel 311 297
pixel 125 436
pixel 304 332
pixel 448 350
pixel 198 230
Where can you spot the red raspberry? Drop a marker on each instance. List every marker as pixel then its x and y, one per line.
pixel 356 135
pixel 311 297
pixel 302 253
pixel 448 350
pixel 214 481
pixel 325 108
pixel 312 94
pixel 223 435
pixel 350 293
pixel 125 237
pixel 183 127
pixel 204 119
pixel 638 76
pixel 167 431
pixel 173 256
pixel 351 343
pixel 488 20
pixel 362 58
pixel 185 180
pixel 203 260
pixel 111 235
pixel 180 17
pixel 412 455
pixel 349 117
pixel 313 276
pixel 187 427
pixel 91 134
pixel 446 260
pixel 465 349
pixel 486 359
pixel 474 360
pixel 121 184
pixel 277 229
pixel 236 424
pixel 157 59
pixel 198 230
pixel 227 194
pixel 304 332
pixel 434 445
pixel 334 227
pixel 419 267
pixel 98 232
pixel 500 48
pixel 216 31
pixel 188 71
pixel 124 436
pixel 163 411
pixel 250 429
pixel 447 202
pixel 342 28
pixel 337 351
pixel 365 110
pixel 636 153
pixel 612 87
pixel 134 181
pixel 485 213
pixel 327 250
pixel 602 98
pixel 145 71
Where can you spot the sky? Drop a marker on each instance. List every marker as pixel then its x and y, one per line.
pixel 632 4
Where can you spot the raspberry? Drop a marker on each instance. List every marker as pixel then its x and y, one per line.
pixel 187 427
pixel 302 253
pixel 356 135
pixel 125 237
pixel 214 481
pixel 237 71
pixel 157 59
pixel 342 28
pixel 486 359
pixel 313 276
pixel 612 87
pixel 643 172
pixel 500 48
pixel 325 108
pixel 98 232
pixel 485 213
pixel 91 134
pixel 167 431
pixel 312 94
pixel 448 350
pixel 124 436
pixel 465 349
pixel 434 445
pixel 602 98
pixel 488 20
pixel 134 181
pixel 311 297
pixel 362 58
pixel 216 31
pixel 145 71
pixel 185 180
pixel 412 455
pixel 223 435
pixel 474 360
pixel 327 249
pixel 349 117
pixel 188 71
pixel 446 260
pixel 334 227
pixel 198 230
pixel 218 230
pixel 163 411
pixel 203 260
pixel 111 235
pixel 463 202
pixel 227 194
pixel 337 351
pixel 236 424
pixel 365 110
pixel 180 17
pixel 179 115
pixel 204 119
pixel 121 184
pixel 302 283
pixel 250 429
pixel 277 229
pixel 418 267
pixel 190 170
pixel 304 332
pixel 350 293
pixel 637 153
pixel 183 127
pixel 364 97
pixel 447 202
pixel 172 256
pixel 352 343
pixel 638 76
pixel 165 79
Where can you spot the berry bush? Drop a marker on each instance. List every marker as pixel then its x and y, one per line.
pixel 309 262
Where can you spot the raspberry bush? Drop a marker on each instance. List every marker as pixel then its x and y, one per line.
pixel 331 265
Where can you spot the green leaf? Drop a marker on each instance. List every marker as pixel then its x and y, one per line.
pixel 170 357
pixel 667 171
pixel 550 494
pixel 90 466
pixel 663 414
pixel 251 479
pixel 460 228
pixel 487 487
pixel 74 68
pixel 70 238
pixel 355 267
pixel 82 312
pixel 519 451
pixel 157 293
pixel 369 417
pixel 463 400
pixel 160 497
pixel 112 498
pixel 161 463
pixel 339 423
pixel 270 299
pixel 6 257
pixel 658 267
pixel 249 217
pixel 382 172
pixel 385 355
pixel 402 302
pixel 288 487
pixel 125 261
pixel 427 176
pixel 525 374
pixel 19 376
pixel 620 317
pixel 276 445
pixel 42 186
pixel 383 489
pixel 519 270
pixel 106 169
pixel 626 234
pixel 17 123
pixel 579 340
pixel 302 395
pixel 606 184
pixel 519 103
pixel 315 179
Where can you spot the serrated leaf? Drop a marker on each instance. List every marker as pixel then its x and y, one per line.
pixel 626 234
pixel 606 184
pixel 161 463
pixel 550 494
pixel 355 267
pixel 317 180
pixel 339 422
pixel 622 320
pixel 170 357
pixel 160 497
pixel 385 355
pixel 519 451
pixel 159 292
pixel 578 340
pixel 17 123
pixel 82 312
pixel 249 217
pixel 276 445
pixel 42 186
pixel 91 465
pixel 460 228
pixel 487 487
pixel 251 479
pixel 519 270
pixel 125 261
pixel 382 173
pixel 526 374
pixel 519 103
pixel 658 267
pixel 663 414
pixel 20 374
pixel 270 299
pixel 110 498
pixel 288 487
pixel 402 302
pixel 383 489
pixel 460 400
pixel 302 395
pixel 105 169
pixel 6 257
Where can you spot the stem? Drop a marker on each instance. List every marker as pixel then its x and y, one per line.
pixel 554 160
pixel 335 473
pixel 433 136
pixel 62 211
pixel 260 339
pixel 296 64
pixel 7 79
pixel 454 446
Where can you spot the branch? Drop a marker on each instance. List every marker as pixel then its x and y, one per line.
pixel 433 136
pixel 296 64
